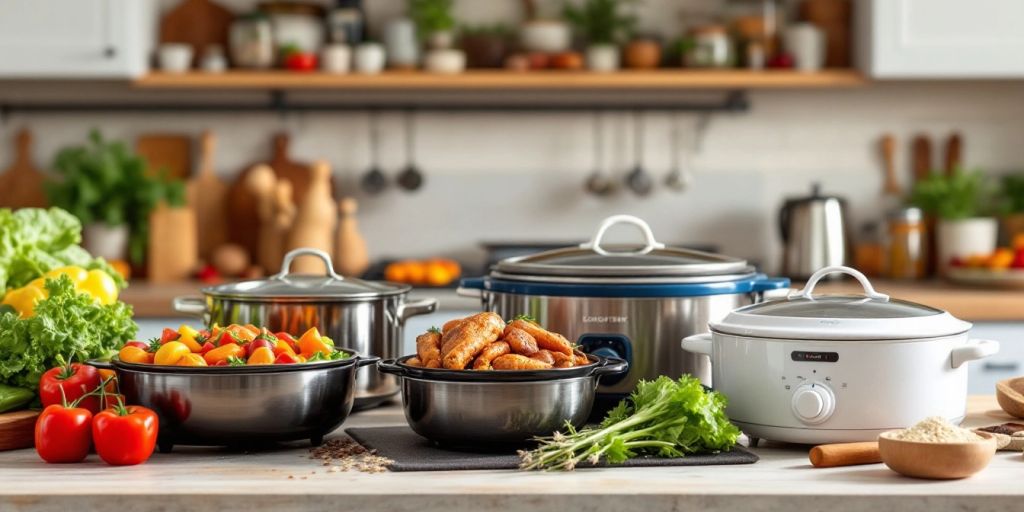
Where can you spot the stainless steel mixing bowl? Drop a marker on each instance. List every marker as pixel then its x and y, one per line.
pixel 244 405
pixel 497 407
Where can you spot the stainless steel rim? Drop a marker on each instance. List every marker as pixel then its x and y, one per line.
pixel 517 265
pixel 505 383
pixel 748 274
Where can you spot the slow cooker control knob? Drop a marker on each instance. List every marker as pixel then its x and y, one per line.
pixel 813 403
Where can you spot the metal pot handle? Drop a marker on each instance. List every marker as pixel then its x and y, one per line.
pixel 410 309
pixel 974 349
pixel 190 305
pixel 362 361
pixel 650 243
pixel 286 264
pixel 611 366
pixel 390 366
pixel 869 291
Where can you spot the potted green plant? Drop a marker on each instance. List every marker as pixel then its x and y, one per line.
pixel 486 46
pixel 962 205
pixel 110 189
pixel 603 26
pixel 434 22
pixel 1012 202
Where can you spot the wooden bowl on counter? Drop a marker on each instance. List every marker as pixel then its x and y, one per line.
pixel 939 461
pixel 1010 395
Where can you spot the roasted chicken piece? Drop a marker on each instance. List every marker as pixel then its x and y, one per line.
pixel 461 344
pixel 428 348
pixel 544 355
pixel 496 349
pixel 518 362
pixel 520 341
pixel 545 339
pixel 414 361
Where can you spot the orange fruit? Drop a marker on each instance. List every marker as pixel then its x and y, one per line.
pixel 396 272
pixel 437 274
pixel 416 272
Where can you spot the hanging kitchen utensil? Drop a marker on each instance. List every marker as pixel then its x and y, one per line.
pixel 680 176
pixel 675 180
pixel 922 154
pixel 597 183
pixel 887 145
pixel 168 152
pixel 21 185
pixel 953 153
pixel 374 181
pixel 411 178
pixel 206 194
pixel 638 180
pixel 199 23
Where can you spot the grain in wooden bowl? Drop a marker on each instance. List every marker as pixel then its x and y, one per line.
pixel 936 449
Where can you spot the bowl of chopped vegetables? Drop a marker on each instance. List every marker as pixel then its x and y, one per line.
pixel 240 386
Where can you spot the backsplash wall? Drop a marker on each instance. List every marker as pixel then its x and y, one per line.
pixel 520 176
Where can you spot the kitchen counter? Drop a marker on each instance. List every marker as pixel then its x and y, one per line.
pixel 210 479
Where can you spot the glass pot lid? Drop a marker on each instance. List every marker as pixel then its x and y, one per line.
pixel 650 260
pixel 872 316
pixel 286 286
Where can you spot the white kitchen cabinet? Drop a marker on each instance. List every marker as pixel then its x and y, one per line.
pixel 75 38
pixel 940 38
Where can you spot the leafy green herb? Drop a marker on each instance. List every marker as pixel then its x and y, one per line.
pixel 525 318
pixel 104 181
pixel 960 196
pixel 154 344
pixel 34 241
pixel 599 21
pixel 663 418
pixel 1012 193
pixel 333 356
pixel 434 329
pixel 431 16
pixel 66 322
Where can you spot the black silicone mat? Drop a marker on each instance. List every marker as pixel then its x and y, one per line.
pixel 410 452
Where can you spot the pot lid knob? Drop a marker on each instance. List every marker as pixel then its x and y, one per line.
pixel 650 243
pixel 808 291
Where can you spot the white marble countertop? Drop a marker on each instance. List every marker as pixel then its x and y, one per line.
pixel 210 479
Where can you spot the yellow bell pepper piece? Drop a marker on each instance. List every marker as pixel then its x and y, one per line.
pixel 100 286
pixel 24 299
pixel 188 337
pixel 77 274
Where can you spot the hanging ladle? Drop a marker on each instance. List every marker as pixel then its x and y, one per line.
pixel 638 180
pixel 410 179
pixel 374 181
pixel 597 183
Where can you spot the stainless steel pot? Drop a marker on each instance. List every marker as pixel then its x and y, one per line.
pixel 365 315
pixel 244 405
pixel 630 302
pixel 466 407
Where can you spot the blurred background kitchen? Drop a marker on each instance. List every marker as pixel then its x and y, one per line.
pixel 414 138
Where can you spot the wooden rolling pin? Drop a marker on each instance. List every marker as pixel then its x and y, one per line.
pixel 845 454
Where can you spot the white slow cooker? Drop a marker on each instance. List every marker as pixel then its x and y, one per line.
pixel 821 369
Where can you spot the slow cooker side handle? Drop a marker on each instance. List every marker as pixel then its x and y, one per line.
pixel 973 350
pixel 413 308
pixel 190 305
pixel 698 343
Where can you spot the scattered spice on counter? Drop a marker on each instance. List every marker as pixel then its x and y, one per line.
pixel 344 454
pixel 936 430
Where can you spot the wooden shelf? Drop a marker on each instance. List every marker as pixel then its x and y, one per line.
pixel 506 80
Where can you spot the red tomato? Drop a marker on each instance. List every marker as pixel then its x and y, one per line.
pixel 259 342
pixel 76 379
pixel 169 335
pixel 63 434
pixel 137 344
pixel 206 348
pixel 125 436
pixel 285 358
pixel 300 61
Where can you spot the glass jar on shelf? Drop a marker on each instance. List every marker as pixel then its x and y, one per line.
pixel 709 46
pixel 908 244
pixel 251 42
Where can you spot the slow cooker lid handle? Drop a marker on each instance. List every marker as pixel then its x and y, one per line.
pixel 808 291
pixel 650 243
pixel 286 264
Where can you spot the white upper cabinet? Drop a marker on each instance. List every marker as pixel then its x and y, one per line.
pixel 940 38
pixel 75 38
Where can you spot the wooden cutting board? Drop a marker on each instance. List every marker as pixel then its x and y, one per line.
pixel 243 213
pixel 21 185
pixel 172 152
pixel 206 194
pixel 173 245
pixel 199 23
pixel 17 429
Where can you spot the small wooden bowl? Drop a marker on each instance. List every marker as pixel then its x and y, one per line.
pixel 940 461
pixel 1010 394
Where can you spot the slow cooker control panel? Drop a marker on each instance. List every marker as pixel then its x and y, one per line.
pixel 813 403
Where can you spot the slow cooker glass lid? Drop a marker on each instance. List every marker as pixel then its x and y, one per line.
pixel 841 306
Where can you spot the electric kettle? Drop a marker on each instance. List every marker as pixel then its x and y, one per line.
pixel 814 233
